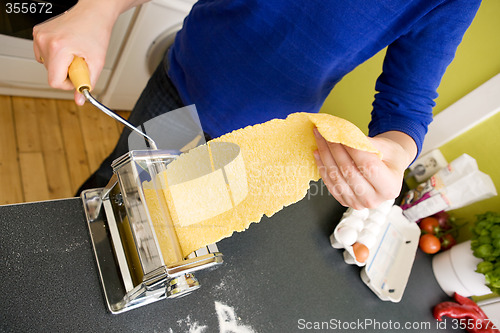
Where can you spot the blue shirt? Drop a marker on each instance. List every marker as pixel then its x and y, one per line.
pixel 243 62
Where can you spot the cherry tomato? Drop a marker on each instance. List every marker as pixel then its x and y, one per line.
pixel 443 219
pixel 447 241
pixel 429 243
pixel 429 225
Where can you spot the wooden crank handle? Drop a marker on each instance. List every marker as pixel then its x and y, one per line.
pixel 79 74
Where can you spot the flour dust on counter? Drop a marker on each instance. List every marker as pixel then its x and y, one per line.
pixel 191 326
pixel 228 288
pixel 230 291
pixel 69 248
pixel 228 320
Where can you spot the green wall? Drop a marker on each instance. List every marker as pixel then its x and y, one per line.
pixel 476 61
pixel 483 143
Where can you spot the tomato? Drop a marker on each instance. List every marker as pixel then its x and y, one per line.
pixel 443 219
pixel 429 225
pixel 429 243
pixel 447 241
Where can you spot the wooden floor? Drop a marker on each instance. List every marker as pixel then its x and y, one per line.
pixel 49 147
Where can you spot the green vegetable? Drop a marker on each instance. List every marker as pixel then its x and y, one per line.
pixel 486 245
pixel 485 267
pixel 495 231
pixel 484 239
pixel 483 251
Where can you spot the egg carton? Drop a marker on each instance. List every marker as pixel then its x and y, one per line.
pixel 383 242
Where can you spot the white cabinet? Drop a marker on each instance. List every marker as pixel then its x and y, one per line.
pixel 154 28
pixel 138 39
pixel 22 75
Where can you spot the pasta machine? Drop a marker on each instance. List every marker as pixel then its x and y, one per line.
pixel 124 233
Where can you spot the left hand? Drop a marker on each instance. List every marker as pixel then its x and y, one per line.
pixel 360 179
pixel 82 31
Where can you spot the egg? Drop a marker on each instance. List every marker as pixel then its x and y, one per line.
pixel 361 252
pixel 377 217
pixel 385 207
pixel 354 222
pixel 347 213
pixel 361 213
pixel 335 243
pixel 373 227
pixel 368 238
pixel 346 235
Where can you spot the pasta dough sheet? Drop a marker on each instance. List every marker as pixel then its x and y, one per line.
pixel 277 165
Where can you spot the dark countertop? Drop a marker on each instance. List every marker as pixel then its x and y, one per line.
pixel 281 275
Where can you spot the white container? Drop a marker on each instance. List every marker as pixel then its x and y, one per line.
pixel 455 271
pixel 392 242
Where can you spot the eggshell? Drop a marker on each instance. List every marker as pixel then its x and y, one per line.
pixel 377 217
pixel 368 238
pixel 385 207
pixel 335 243
pixel 347 213
pixel 361 213
pixel 354 222
pixel 346 235
pixel 373 227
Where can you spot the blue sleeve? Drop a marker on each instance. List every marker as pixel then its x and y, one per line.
pixel 413 67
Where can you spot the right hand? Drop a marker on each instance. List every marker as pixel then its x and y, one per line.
pixel 82 31
pixel 360 179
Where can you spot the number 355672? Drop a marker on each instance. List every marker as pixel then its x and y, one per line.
pixel 28 7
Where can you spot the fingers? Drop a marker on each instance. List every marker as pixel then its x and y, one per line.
pixel 350 170
pixel 55 58
pixel 369 165
pixel 79 98
pixel 57 66
pixel 355 178
pixel 376 172
pixel 36 45
pixel 57 41
pixel 340 175
pixel 38 55
pixel 331 178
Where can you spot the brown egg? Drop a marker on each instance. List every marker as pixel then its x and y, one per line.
pixel 361 252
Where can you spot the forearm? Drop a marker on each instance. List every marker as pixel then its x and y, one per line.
pixel 108 10
pixel 413 67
